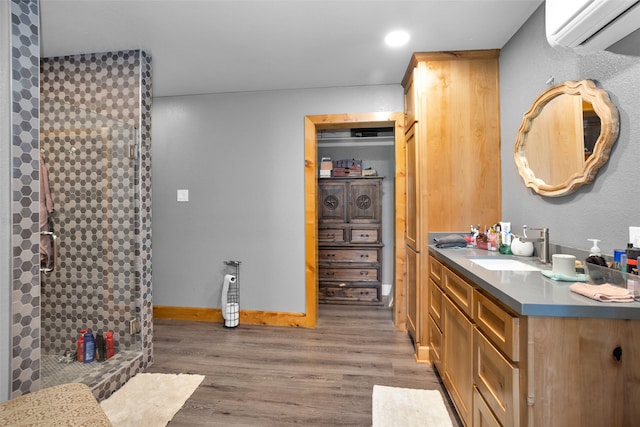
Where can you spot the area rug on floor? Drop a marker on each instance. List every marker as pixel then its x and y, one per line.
pixel 405 407
pixel 150 400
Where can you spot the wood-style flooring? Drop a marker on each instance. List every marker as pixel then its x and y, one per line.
pixel 281 376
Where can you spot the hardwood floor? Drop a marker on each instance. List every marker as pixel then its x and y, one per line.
pixel 281 376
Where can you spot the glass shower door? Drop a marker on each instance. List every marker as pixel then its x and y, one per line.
pixel 92 170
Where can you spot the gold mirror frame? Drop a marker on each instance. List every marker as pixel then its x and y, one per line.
pixel 609 125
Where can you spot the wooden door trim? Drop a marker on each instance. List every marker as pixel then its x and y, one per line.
pixel 336 121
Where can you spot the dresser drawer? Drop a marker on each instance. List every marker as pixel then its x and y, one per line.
pixel 435 303
pixel 365 235
pixel 331 235
pixel 352 255
pixel 497 380
pixel 328 292
pixel 435 271
pixel 355 274
pixel 460 292
pixel 499 326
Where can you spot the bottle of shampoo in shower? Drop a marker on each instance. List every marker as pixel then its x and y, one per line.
pixel 110 347
pixel 101 348
pixel 80 345
pixel 89 347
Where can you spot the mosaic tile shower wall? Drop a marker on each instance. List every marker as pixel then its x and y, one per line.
pixel 95 141
pixel 91 181
pixel 25 261
pixel 124 99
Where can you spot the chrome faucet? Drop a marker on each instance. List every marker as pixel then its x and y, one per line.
pixel 543 256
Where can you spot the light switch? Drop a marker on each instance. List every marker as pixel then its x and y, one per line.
pixel 183 195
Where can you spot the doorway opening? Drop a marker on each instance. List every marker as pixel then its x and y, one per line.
pixel 315 124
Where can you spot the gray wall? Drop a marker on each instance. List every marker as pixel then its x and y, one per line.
pixel 241 156
pixel 602 210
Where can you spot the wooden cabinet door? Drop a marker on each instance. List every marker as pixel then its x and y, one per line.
pixel 411 264
pixel 411 228
pixel 364 201
pixel 410 99
pixel 458 359
pixel 332 201
pixel 435 343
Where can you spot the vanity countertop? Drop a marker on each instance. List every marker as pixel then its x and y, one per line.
pixel 529 293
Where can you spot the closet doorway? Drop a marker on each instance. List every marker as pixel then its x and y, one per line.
pixel 314 124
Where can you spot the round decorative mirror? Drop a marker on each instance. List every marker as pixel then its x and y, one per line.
pixel 565 137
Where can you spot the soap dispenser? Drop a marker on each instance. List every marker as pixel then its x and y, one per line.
pixel 595 254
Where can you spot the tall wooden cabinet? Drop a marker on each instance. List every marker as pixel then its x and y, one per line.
pixel 350 240
pixel 452 134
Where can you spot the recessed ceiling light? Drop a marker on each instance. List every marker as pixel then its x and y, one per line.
pixel 397 38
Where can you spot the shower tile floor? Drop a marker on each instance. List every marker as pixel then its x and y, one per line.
pixel 57 369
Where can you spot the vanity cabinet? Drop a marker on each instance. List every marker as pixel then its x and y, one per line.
pixel 434 322
pixel 350 240
pixel 501 368
pixel 452 143
pixel 457 339
pixel 458 358
pixel 496 346
pixel 474 344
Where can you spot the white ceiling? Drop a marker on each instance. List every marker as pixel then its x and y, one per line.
pixel 211 46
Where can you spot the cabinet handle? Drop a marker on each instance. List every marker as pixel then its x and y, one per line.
pixel 364 255
pixel 364 273
pixel 364 236
pixel 617 353
pixel 330 273
pixel 54 247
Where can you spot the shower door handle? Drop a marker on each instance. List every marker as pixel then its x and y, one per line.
pixel 54 247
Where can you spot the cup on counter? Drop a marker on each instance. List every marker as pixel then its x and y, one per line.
pixel 564 265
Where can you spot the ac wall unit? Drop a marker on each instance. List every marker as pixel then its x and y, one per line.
pixel 591 25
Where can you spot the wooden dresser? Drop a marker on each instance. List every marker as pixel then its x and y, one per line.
pixel 350 240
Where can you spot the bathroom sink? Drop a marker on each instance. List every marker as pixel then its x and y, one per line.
pixel 503 264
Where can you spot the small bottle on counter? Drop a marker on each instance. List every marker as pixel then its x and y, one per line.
pixel 89 347
pixel 80 345
pixel 101 349
pixel 109 343
pixel 493 240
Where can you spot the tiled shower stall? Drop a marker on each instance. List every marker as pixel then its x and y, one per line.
pixel 92 131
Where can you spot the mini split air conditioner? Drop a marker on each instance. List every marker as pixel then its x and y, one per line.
pixel 590 25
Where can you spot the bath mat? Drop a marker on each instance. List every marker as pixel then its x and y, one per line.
pixel 405 407
pixel 150 400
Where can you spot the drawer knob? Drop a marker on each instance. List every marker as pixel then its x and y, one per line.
pixel 364 273
pixel 617 353
pixel 364 256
